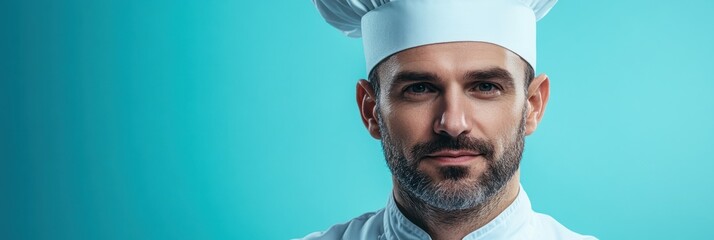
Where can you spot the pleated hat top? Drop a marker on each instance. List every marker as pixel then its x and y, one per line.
pixel 389 26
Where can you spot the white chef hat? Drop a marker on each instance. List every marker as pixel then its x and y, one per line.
pixel 390 26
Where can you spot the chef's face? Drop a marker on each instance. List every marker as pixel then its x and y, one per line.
pixel 452 118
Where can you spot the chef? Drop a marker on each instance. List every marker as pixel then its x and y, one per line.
pixel 451 94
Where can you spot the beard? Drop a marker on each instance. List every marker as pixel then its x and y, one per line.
pixel 458 189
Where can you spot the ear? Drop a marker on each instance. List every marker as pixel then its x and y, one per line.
pixel 538 92
pixel 367 104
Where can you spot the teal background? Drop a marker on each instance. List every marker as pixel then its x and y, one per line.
pixel 237 120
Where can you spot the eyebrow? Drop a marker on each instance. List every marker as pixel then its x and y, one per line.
pixel 483 74
pixel 491 73
pixel 412 76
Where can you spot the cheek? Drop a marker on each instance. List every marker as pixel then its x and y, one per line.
pixel 409 126
pixel 498 122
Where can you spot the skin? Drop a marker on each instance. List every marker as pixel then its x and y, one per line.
pixel 452 103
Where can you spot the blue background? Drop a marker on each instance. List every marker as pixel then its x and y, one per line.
pixel 236 120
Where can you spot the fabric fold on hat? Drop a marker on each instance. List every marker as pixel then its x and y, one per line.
pixel 390 26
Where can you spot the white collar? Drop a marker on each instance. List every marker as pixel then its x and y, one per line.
pixel 513 218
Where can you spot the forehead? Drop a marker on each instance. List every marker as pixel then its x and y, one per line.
pixel 454 58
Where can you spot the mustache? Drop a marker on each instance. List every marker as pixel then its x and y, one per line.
pixel 462 142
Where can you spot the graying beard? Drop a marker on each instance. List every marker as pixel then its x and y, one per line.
pixel 419 187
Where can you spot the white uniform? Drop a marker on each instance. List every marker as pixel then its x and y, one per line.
pixel 518 221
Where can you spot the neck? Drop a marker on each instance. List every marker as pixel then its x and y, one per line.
pixel 446 225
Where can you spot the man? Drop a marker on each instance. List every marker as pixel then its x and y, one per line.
pixel 451 95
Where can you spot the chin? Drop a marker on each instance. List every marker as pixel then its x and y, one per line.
pixel 455 178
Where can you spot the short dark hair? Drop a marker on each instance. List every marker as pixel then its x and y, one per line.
pixel 373 77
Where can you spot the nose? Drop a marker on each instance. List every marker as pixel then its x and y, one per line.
pixel 453 120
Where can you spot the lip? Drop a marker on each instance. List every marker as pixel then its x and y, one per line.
pixel 453 156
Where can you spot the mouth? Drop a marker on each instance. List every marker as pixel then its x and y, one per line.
pixel 453 157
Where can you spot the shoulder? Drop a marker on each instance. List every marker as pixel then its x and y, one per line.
pixel 366 226
pixel 552 229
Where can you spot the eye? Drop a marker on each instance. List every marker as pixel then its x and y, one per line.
pixel 485 87
pixel 486 90
pixel 418 88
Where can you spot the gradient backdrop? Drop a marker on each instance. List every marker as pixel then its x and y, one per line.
pixel 236 120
